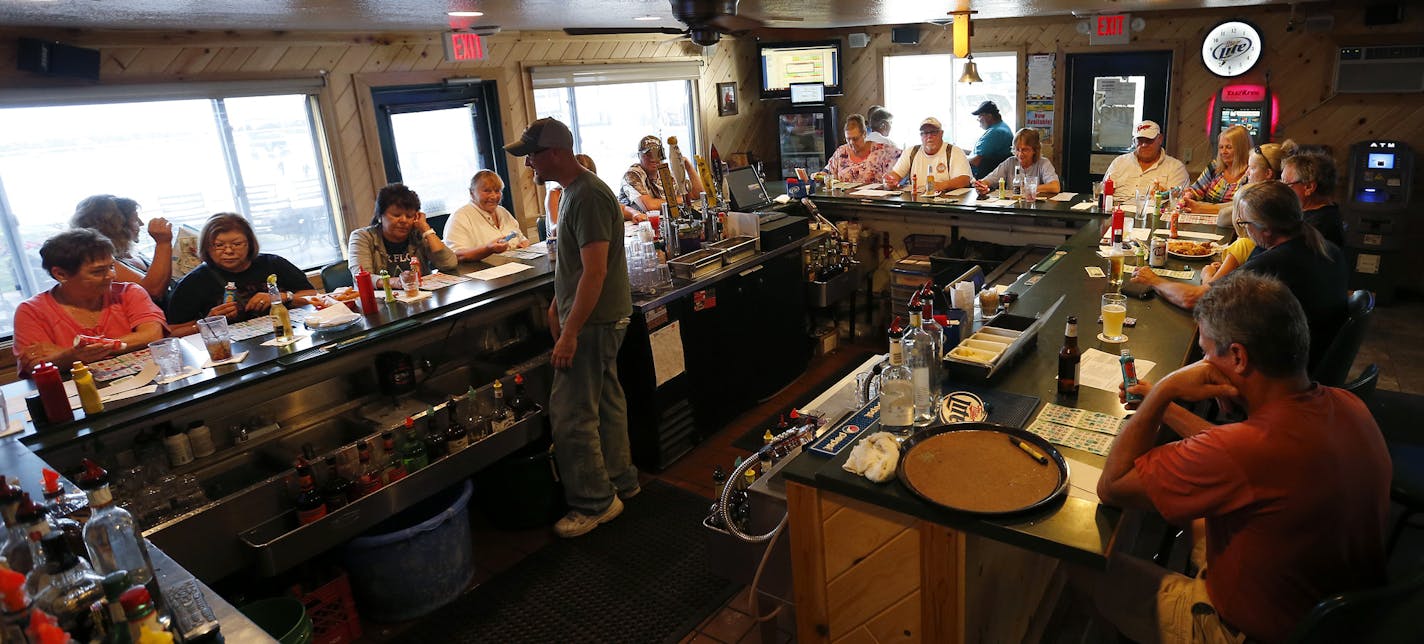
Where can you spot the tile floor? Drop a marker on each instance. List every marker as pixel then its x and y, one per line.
pixel 1395 343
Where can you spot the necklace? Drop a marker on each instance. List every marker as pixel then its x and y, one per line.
pixel 491 217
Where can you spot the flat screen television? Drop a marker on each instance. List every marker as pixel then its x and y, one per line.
pixel 785 63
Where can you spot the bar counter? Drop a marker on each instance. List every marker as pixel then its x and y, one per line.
pixel 873 559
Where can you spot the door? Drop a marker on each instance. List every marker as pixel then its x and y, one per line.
pixel 1107 95
pixel 435 137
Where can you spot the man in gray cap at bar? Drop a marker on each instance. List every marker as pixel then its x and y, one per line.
pixel 995 145
pixel 588 319
pixel 641 189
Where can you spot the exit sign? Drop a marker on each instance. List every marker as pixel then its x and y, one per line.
pixel 1111 29
pixel 461 46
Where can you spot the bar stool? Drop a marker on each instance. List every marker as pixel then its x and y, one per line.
pixel 1335 362
pixel 1386 614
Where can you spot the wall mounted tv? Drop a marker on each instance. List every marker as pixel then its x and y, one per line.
pixel 784 63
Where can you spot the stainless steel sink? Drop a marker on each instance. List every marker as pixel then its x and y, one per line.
pixel 325 437
pixel 235 473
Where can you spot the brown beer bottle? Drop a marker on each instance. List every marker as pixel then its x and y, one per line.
pixel 1068 358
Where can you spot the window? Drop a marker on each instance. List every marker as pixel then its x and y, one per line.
pixel 182 159
pixel 922 85
pixel 610 107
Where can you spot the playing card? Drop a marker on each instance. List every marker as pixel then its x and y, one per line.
pixel 1094 271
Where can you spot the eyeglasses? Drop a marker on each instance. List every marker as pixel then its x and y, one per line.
pixel 930 132
pixel 1291 183
pixel 235 246
pixel 1243 223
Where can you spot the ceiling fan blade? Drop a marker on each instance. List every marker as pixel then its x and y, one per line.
pixel 733 22
pixel 610 31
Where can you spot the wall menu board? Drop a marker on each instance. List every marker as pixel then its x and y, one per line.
pixel 783 64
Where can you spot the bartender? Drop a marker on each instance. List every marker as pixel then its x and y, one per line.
pixel 641 189
pixel 948 168
pixel 482 227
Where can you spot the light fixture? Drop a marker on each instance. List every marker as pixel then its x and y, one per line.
pixel 971 71
pixel 464 14
pixel 647 18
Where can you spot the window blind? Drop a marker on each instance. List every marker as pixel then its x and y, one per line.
pixel 577 75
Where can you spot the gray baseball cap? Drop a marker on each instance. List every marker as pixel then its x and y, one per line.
pixel 542 134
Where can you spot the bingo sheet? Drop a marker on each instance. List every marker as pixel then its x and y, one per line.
pixel 1089 431
pixel 258 327
pixel 436 281
pixel 126 364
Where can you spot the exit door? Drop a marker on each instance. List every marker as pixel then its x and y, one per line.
pixel 1108 94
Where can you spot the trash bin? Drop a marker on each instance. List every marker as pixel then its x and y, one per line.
pixel 521 491
pixel 415 561
pixel 283 618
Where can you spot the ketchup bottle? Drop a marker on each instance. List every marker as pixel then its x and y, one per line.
pixel 1107 195
pixel 367 291
pixel 51 387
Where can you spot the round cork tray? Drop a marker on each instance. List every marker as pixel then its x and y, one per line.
pixel 976 468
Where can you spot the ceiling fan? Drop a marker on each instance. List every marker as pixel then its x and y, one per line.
pixel 706 21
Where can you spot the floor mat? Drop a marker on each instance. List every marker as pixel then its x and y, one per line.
pixel 752 440
pixel 643 577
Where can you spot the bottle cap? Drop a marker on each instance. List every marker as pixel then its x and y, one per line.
pixel 93 476
pixel 29 512
pixel 137 602
pixel 12 586
pixel 115 583
pixel 51 480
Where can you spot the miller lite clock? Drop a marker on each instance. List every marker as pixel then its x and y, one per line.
pixel 1231 48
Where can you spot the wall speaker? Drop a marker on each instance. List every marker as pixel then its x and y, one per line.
pixel 858 40
pixel 909 35
pixel 58 59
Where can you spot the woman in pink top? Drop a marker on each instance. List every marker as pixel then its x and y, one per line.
pixel 86 302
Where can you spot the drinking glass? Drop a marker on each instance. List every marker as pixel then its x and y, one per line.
pixel 1097 192
pixel 1143 197
pixel 215 337
pixel 168 355
pixel 1030 188
pixel 411 281
pixel 1114 312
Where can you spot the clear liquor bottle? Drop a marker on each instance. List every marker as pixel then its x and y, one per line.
pixel 111 536
pixel 71 589
pixel 922 357
pixel 897 387
pixel 932 327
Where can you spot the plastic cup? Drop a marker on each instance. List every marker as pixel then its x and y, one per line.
pixel 168 355
pixel 1030 188
pixel 411 281
pixel 1114 311
pixel 215 337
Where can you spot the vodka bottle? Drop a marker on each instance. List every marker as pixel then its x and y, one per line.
pixel 928 323
pixel 897 387
pixel 921 356
pixel 111 536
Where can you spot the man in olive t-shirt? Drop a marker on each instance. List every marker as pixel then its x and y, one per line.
pixel 588 319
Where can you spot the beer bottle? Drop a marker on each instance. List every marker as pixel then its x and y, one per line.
pixel 1068 359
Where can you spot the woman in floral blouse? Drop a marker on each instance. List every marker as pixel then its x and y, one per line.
pixel 1217 184
pixel 859 160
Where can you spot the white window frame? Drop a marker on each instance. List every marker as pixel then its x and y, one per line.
pixel 906 130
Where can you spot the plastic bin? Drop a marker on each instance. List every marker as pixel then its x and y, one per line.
pixel 284 618
pixel 965 254
pixel 521 491
pixel 416 561
pixel 332 611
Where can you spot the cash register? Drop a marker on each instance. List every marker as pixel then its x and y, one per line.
pixel 749 196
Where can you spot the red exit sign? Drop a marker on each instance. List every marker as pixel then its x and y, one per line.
pixel 460 46
pixel 1111 29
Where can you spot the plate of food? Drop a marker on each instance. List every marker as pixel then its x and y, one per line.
pixel 1190 249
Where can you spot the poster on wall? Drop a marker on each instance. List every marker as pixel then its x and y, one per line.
pixel 1038 106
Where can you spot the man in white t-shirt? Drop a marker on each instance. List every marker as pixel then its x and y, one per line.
pixel 938 166
pixel 1145 163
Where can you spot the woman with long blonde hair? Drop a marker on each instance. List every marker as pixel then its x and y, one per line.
pixel 1218 182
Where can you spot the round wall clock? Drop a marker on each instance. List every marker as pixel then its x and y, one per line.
pixel 1231 48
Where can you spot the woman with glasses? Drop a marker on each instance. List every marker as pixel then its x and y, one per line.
pixel 117 218
pixel 1312 176
pixel 1218 182
pixel 860 160
pixel 88 315
pixel 1264 165
pixel 1029 162
pixel 230 255
pixel 397 234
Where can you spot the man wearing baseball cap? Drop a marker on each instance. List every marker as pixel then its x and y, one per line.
pixel 1145 164
pixel 995 145
pixel 938 166
pixel 588 319
pixel 641 191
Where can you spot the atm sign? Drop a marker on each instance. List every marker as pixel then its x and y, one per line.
pixel 1111 29
pixel 463 46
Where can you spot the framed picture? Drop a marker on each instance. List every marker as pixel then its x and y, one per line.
pixel 726 99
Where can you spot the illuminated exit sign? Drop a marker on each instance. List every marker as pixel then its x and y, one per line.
pixel 1111 29
pixel 462 46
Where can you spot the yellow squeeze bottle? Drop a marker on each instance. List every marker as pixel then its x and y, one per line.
pixel 281 321
pixel 88 391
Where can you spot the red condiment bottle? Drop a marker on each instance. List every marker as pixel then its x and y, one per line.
pixel 367 289
pixel 51 387
pixel 1107 194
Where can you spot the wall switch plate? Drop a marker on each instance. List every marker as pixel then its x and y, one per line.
pixel 1187 156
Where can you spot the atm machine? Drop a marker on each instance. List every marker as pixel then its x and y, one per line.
pixel 1376 207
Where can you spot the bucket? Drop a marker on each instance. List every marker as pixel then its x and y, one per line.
pixel 520 491
pixel 416 561
pixel 283 618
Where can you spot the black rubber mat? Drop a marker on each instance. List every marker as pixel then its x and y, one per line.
pixel 751 441
pixel 643 577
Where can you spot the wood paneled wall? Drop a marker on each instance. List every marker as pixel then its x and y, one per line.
pixel 354 62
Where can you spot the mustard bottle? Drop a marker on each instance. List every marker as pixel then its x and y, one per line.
pixel 88 391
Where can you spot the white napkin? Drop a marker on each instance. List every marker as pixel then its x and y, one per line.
pixel 331 316
pixel 236 358
pixel 185 373
pixel 874 457
pixel 420 295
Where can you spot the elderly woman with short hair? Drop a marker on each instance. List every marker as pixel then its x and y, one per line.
pixel 86 311
pixel 231 255
pixel 117 218
pixel 1027 160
